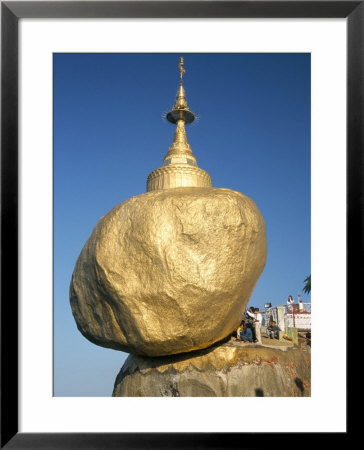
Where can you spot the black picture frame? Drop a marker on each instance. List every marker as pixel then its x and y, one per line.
pixel 11 12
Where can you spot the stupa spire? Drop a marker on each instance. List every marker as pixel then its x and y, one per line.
pixel 181 102
pixel 179 165
pixel 182 70
pixel 180 110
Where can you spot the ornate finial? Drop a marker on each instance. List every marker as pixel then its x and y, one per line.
pixel 180 109
pixel 182 70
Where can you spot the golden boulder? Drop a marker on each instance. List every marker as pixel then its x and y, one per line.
pixel 169 271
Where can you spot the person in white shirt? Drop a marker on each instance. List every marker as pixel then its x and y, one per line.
pixel 250 312
pixel 257 324
pixel 257 321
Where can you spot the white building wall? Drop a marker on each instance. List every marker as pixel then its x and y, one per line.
pixel 302 321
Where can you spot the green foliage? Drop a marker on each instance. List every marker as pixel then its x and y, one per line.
pixel 307 287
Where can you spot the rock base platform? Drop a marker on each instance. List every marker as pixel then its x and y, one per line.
pixel 232 369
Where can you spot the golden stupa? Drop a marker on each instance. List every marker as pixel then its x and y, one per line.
pixel 179 165
pixel 171 270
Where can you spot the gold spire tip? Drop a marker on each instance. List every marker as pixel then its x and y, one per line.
pixel 182 70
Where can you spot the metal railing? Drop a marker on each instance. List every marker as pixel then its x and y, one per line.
pixel 295 307
pixel 293 315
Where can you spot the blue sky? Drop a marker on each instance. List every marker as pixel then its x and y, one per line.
pixel 252 135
